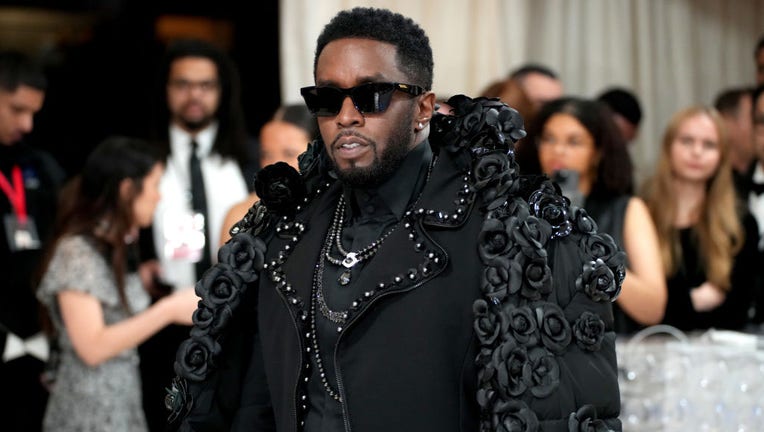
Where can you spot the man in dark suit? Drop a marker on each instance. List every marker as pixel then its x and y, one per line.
pixel 29 184
pixel 406 279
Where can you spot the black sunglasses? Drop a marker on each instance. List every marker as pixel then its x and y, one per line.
pixel 368 98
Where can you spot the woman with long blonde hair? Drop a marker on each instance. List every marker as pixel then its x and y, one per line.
pixel 708 240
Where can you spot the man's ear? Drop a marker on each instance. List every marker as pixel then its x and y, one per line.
pixel 425 107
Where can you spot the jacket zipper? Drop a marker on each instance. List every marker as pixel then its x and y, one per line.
pixel 338 372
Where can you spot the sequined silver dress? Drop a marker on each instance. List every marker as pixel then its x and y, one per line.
pixel 106 397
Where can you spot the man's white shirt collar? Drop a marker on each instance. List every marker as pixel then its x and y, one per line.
pixel 180 141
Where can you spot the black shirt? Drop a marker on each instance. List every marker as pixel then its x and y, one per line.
pixel 370 214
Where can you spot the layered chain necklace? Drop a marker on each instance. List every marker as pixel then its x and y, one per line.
pixel 349 259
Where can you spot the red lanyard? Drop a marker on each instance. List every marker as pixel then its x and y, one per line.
pixel 15 193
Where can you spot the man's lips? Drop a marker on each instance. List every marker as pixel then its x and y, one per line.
pixel 349 142
pixel 350 146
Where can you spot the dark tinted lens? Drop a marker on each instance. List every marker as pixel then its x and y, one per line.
pixel 323 101
pixel 368 98
pixel 373 97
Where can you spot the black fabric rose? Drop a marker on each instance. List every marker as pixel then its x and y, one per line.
pixel 493 242
pixel 309 159
pixel 214 321
pixel 491 169
pixel 589 330
pixel 195 358
pixel 584 223
pixel 537 277
pixel 521 325
pixel 585 420
pixel 554 328
pixel 513 370
pixel 513 206
pixel 245 254
pixel 549 205
pixel 603 246
pixel 178 400
pixel 220 285
pixel 480 124
pixel 532 234
pixel 314 165
pixel 255 220
pixel 202 319
pixel 492 112
pixel 487 324
pixel 511 123
pixel 280 188
pixel 545 372
pixel 598 282
pixel 222 316
pixel 472 118
pixel 495 282
pixel 513 416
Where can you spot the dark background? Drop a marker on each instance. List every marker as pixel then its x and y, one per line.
pixel 103 73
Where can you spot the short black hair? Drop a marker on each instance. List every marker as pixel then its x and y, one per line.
pixel 727 102
pixel 759 46
pixel 529 68
pixel 412 45
pixel 16 68
pixel 623 102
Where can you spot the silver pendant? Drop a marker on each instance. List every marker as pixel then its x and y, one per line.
pixel 344 278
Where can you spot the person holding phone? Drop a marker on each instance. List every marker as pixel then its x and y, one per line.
pixel 580 147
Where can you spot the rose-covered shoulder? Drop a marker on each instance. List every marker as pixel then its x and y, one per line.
pixel 475 127
pixel 547 283
pixel 223 289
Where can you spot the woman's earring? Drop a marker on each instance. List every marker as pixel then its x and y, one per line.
pixel 421 126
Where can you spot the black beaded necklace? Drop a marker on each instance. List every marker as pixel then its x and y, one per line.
pixel 349 259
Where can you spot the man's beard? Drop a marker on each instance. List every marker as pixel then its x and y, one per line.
pixel 194 124
pixel 384 164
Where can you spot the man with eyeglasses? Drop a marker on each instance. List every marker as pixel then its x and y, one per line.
pixel 406 279
pixel 202 131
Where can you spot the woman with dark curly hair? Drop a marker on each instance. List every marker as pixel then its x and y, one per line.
pixel 95 298
pixel 579 144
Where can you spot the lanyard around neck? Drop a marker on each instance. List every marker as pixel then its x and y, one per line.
pixel 15 192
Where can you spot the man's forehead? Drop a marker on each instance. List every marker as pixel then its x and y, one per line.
pixel 362 59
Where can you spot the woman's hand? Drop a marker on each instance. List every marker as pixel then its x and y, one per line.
pixel 706 297
pixel 182 304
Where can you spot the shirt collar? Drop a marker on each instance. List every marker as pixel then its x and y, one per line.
pixel 395 194
pixel 180 140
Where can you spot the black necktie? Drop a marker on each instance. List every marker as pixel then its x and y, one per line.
pixel 757 188
pixel 199 204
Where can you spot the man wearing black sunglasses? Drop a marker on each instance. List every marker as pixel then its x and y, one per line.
pixel 406 279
